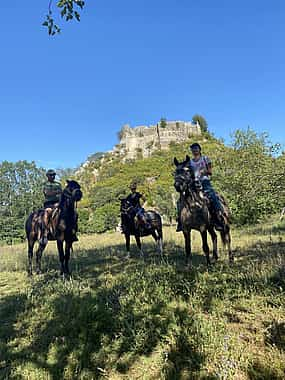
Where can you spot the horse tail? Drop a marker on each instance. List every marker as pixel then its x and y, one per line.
pixel 28 225
pixel 159 227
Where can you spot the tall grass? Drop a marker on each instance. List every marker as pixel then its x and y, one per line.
pixel 146 318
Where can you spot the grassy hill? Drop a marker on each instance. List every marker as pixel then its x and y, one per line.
pixel 248 174
pixel 146 319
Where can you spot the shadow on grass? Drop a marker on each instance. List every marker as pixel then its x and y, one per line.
pixel 101 332
pixel 111 325
pixel 11 308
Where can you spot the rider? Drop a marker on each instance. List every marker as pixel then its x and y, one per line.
pixel 52 191
pixel 134 199
pixel 202 169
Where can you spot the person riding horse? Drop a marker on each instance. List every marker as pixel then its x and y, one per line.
pixel 201 166
pixel 134 199
pixel 53 192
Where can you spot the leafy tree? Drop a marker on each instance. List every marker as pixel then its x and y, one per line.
pixel 68 10
pixel 251 177
pixel 202 122
pixel 20 193
pixel 104 218
pixel 164 200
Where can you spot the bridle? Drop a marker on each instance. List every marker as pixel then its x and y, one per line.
pixel 188 187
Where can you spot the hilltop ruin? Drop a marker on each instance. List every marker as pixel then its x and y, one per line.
pixel 145 139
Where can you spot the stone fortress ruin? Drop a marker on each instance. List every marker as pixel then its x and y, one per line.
pixel 144 140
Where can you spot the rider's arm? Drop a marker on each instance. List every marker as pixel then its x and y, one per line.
pixel 143 198
pixel 209 168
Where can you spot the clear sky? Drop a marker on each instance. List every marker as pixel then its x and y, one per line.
pixel 134 62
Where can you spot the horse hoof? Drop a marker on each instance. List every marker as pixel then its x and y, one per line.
pixel 43 241
pixel 188 266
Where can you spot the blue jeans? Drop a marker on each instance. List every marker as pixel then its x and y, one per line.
pixel 210 192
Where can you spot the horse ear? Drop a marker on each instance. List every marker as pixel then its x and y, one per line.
pixel 68 181
pixel 176 163
pixel 187 158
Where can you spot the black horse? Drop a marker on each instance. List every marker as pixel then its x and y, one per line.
pixel 196 213
pixel 148 224
pixel 62 228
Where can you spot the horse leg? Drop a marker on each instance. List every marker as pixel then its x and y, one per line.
pixel 68 246
pixel 215 242
pixel 226 239
pixel 229 245
pixel 39 257
pixel 205 246
pixel 155 234
pixel 139 244
pixel 187 239
pixel 128 239
pixel 31 244
pixel 59 244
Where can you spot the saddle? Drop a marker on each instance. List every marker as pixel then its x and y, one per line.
pixel 142 221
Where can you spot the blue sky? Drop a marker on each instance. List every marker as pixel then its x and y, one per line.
pixel 64 98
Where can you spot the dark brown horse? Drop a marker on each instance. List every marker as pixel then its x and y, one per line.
pixel 149 224
pixel 195 212
pixel 64 226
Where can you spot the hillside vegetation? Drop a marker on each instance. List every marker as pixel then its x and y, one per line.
pixel 146 319
pixel 248 174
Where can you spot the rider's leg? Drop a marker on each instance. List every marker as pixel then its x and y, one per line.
pixel 179 225
pixel 45 225
pixel 140 214
pixel 208 189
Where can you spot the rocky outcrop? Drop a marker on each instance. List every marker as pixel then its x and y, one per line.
pixel 143 140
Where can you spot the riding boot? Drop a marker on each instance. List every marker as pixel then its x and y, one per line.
pixel 74 237
pixel 179 225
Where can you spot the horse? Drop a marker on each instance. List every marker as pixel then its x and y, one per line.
pixel 149 224
pixel 195 213
pixel 64 220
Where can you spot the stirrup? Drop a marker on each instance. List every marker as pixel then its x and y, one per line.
pixel 179 228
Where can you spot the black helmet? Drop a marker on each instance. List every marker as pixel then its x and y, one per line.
pixel 195 145
pixel 50 172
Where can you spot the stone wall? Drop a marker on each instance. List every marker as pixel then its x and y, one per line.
pixel 145 139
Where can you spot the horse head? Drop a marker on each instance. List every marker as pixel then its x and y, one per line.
pixel 126 207
pixel 183 175
pixel 74 189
